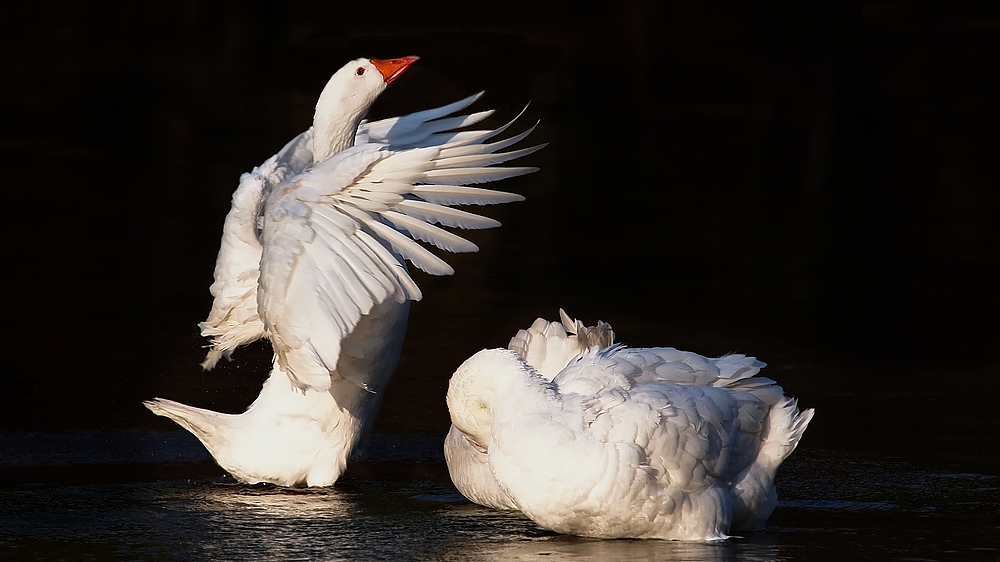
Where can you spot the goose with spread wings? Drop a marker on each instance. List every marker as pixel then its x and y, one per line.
pixel 313 258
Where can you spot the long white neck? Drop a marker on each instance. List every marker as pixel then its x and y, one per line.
pixel 343 103
pixel 333 131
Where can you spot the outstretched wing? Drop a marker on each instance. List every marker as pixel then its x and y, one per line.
pixel 234 320
pixel 432 127
pixel 334 238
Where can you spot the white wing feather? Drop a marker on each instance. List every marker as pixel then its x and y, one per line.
pixel 550 346
pixel 234 319
pixel 459 195
pixel 326 233
pixel 408 131
pixel 308 249
pixel 627 367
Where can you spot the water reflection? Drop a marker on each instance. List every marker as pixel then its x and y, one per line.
pixel 359 520
pixel 255 502
pixel 574 548
pixel 833 506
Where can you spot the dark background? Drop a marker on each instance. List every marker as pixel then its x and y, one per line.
pixel 756 177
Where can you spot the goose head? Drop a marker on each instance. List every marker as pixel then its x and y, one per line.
pixel 345 101
pixel 480 383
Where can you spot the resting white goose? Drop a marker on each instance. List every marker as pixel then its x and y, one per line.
pixel 312 258
pixel 639 443
pixel 548 347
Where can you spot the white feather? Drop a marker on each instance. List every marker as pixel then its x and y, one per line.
pixel 476 137
pixel 474 175
pixel 429 233
pixel 234 318
pixel 488 159
pixel 461 195
pixel 447 216
pixel 388 131
pixel 417 254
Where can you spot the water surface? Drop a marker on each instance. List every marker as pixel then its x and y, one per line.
pixel 156 496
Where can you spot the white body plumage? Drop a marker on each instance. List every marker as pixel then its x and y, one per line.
pixel 643 443
pixel 548 347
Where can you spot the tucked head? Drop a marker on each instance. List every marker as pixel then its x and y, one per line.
pixel 473 388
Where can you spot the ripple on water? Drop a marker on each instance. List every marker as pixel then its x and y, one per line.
pixel 398 504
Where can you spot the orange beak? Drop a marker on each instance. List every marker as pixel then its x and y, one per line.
pixel 392 68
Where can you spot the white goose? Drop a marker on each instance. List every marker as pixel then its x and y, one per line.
pixel 640 443
pixel 312 257
pixel 548 347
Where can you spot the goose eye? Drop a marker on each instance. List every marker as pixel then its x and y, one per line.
pixel 360 70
